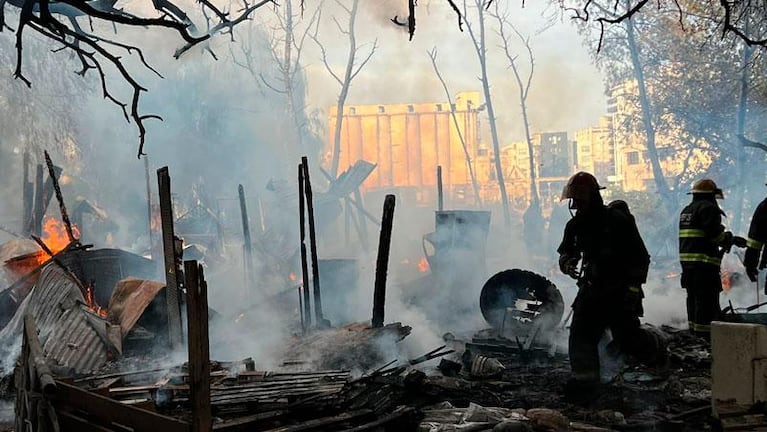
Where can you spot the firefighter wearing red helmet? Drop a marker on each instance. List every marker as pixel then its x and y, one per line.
pixel 757 237
pixel 614 262
pixel 703 241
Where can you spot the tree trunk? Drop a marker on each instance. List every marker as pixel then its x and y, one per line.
pixel 344 91
pixel 534 197
pixel 491 117
pixel 644 102
pixel 740 151
pixel 288 77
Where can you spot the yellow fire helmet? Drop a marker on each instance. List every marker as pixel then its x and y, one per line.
pixel 707 186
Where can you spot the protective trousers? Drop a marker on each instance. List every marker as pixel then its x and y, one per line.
pixel 703 285
pixel 592 315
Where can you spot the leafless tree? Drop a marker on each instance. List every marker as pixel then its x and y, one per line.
pixel 352 68
pixel 505 28
pixel 746 19
pixel 478 34
pixel 61 22
pixel 469 162
pixel 287 39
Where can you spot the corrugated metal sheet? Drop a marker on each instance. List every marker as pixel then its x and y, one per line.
pixel 71 335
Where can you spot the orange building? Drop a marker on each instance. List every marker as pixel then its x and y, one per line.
pixel 409 141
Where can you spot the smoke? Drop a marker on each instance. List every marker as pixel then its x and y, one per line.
pixel 7 411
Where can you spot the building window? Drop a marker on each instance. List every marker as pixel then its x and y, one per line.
pixel 381 109
pixel 439 107
pixel 633 158
pixel 410 108
pixel 352 110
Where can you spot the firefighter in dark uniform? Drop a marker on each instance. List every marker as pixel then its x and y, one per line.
pixel 757 237
pixel 703 241
pixel 614 264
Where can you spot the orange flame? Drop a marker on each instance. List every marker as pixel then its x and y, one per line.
pixel 55 238
pixel 55 234
pixel 90 300
pixel 292 277
pixel 423 265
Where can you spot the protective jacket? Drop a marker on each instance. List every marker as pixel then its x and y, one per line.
pixel 701 234
pixel 757 237
pixel 607 239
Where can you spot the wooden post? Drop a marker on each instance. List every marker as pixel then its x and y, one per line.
pixel 199 349
pixel 307 312
pixel 382 262
pixel 148 202
pixel 247 242
pixel 27 197
pixel 59 197
pixel 362 228
pixel 39 211
pixel 318 317
pixel 48 192
pixel 440 194
pixel 170 257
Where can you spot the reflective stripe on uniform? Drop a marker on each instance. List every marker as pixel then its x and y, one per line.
pixel 634 289
pixel 691 233
pixel 754 244
pixel 699 257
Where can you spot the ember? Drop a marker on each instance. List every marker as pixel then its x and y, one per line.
pixel 292 277
pixel 726 280
pixel 423 265
pixel 90 300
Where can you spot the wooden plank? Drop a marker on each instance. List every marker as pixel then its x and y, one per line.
pixel 248 422
pixel 374 425
pixel 324 422
pixel 171 269
pixel 71 422
pixel 199 348
pixel 108 411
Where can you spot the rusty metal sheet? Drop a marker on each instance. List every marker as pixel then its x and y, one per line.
pixel 129 300
pixel 71 335
pixel 351 179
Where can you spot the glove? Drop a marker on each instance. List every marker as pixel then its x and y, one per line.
pixel 569 266
pixel 752 273
pixel 726 242
pixel 739 242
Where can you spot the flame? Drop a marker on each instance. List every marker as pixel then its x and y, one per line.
pixel 90 300
pixel 55 234
pixel 423 265
pixel 292 277
pixel 55 238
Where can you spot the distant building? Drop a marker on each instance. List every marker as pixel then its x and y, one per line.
pixel 409 141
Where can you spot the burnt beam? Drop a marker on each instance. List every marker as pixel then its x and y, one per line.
pixel 307 312
pixel 172 267
pixel 247 247
pixel 318 316
pixel 382 262
pixel 440 193
pixel 59 197
pixel 199 348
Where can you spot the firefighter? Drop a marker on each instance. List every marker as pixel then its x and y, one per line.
pixel 613 266
pixel 757 237
pixel 703 241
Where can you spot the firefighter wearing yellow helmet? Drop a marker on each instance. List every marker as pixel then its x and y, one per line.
pixel 605 241
pixel 703 241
